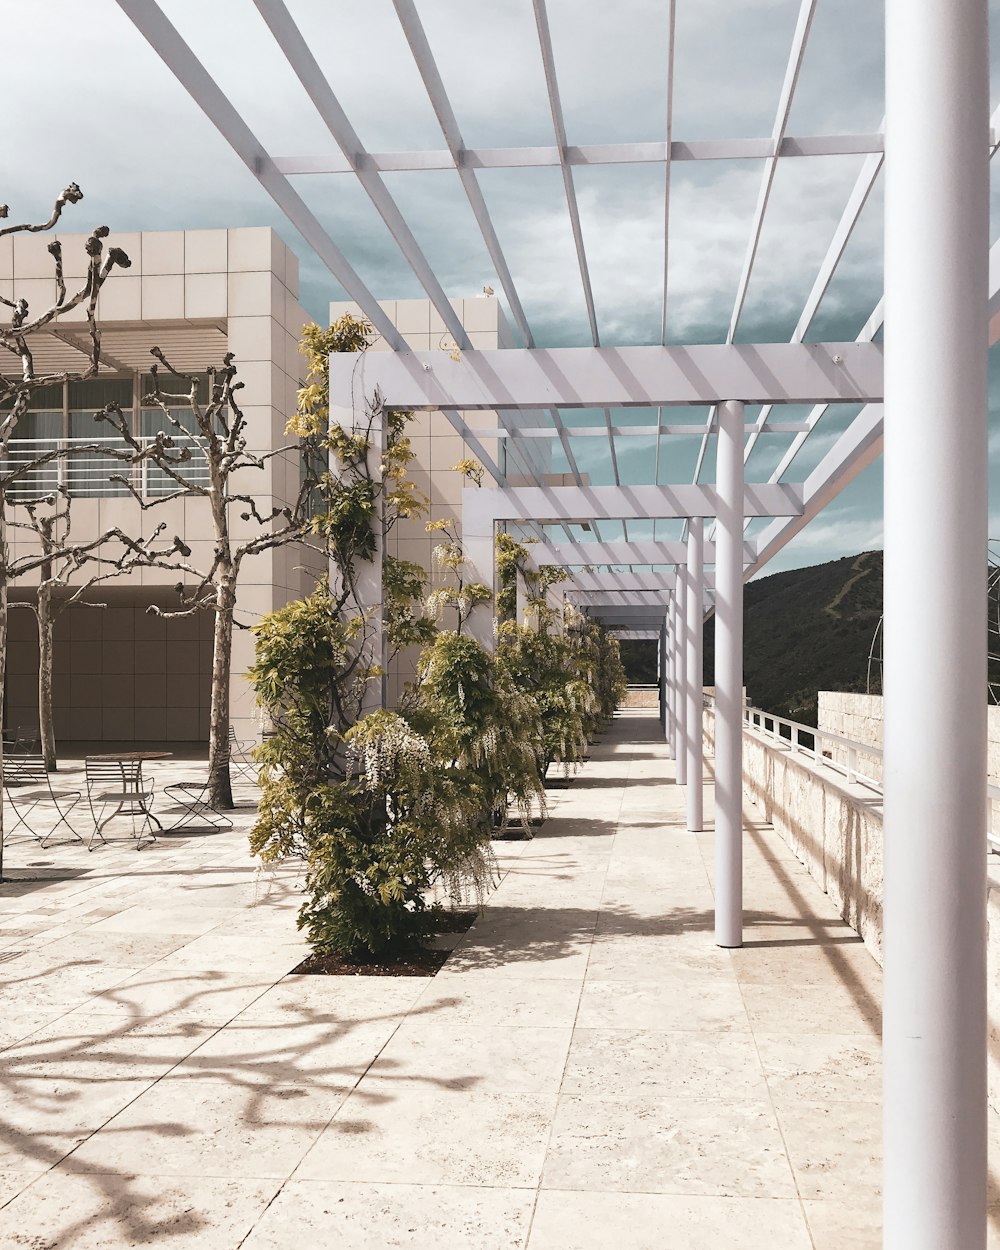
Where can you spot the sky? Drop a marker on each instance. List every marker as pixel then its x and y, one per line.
pixel 95 105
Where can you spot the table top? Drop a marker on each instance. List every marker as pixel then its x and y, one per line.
pixel 134 755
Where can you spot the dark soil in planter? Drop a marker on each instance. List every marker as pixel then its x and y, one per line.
pixel 424 962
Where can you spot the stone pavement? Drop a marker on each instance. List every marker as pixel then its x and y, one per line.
pixel 587 1070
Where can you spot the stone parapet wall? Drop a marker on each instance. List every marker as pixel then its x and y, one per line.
pixel 854 716
pixel 637 697
pixel 835 830
pixel 859 717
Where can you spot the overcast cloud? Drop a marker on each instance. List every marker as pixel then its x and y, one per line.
pixel 94 104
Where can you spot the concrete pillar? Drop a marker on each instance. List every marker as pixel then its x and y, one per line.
pixel 478 548
pixel 694 678
pixel 680 675
pixel 729 679
pixel 934 668
pixel 669 677
pixel 661 678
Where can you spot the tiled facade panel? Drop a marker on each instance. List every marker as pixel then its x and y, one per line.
pixel 120 674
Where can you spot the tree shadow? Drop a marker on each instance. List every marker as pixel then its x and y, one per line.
pixel 54 1083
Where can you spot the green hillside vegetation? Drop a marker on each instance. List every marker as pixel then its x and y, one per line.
pixel 808 630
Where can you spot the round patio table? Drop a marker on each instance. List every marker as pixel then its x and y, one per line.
pixel 132 755
pixel 134 800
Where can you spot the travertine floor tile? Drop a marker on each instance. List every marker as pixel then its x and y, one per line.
pixel 351 1216
pixel 328 1055
pixel 654 1145
pixel 220 1128
pixel 470 998
pixel 114 1212
pixel 577 1221
pixel 699 1005
pixel 430 1137
pixel 626 1063
pixel 822 1068
pixel 453 1056
pixel 835 1148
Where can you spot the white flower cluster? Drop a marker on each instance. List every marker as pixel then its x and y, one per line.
pixel 386 751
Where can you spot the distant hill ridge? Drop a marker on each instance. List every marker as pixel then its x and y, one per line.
pixel 807 630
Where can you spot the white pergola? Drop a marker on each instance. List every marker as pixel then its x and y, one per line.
pixel 925 395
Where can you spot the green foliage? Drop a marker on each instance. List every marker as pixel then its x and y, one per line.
pixel 547 666
pixel 403 586
pixel 308 677
pixel 510 558
pixel 456 593
pixel 399 825
pixel 349 334
pixel 480 723
pixel 600 664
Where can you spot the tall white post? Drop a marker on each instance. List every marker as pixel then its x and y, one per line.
pixel 669 677
pixel 680 675
pixel 661 677
pixel 729 679
pixel 934 668
pixel 694 685
pixel 478 545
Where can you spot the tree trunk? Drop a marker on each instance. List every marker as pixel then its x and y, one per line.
pixel 220 784
pixel 46 625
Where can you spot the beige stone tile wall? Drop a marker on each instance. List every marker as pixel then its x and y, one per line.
pixel 120 674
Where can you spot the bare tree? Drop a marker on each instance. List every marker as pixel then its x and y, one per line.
pixel 16 389
pixel 203 463
pixel 58 561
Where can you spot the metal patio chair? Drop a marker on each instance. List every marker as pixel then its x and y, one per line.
pixel 119 784
pixel 192 796
pixel 243 766
pixel 28 785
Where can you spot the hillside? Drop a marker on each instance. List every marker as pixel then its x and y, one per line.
pixel 807 630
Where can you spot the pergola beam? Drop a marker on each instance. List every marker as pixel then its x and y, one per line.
pixel 642 584
pixel 614 377
pixel 588 154
pixel 617 503
pixel 595 554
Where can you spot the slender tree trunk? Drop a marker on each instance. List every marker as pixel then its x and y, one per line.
pixel 46 627
pixel 222 659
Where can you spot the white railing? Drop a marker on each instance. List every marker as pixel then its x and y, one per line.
pixel 771 726
pixel 88 474
pixel 774 728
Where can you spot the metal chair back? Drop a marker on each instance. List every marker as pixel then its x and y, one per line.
pixel 125 774
pixel 25 770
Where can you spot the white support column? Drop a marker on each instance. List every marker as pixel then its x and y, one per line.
pixel 368 575
pixel 679 692
pixel 694 685
pixel 668 678
pixel 661 673
pixel 478 548
pixel 936 248
pixel 729 679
